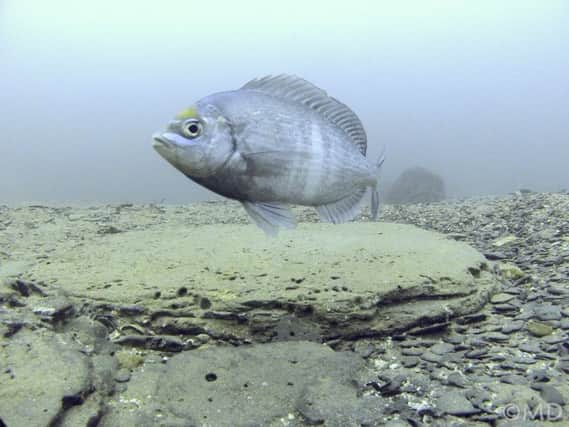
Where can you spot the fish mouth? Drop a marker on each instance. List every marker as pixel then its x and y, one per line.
pixel 160 141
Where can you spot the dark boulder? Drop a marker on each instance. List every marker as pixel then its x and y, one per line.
pixel 416 185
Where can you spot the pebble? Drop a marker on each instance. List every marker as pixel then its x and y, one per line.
pixel 455 339
pixel 505 240
pixel 109 229
pixel 456 379
pixel 545 356
pixel 496 337
pixel 413 351
pixel 497 357
pixel 501 298
pixel 455 404
pixel 410 361
pixel 557 290
pixel 550 394
pixel 513 379
pixel 539 376
pixel 525 315
pixel 555 339
pixel 548 312
pixel 476 354
pixel 563 366
pixel 529 347
pixel 425 342
pixel 510 271
pixel 504 308
pixel 524 360
pixel 392 386
pixel 512 326
pixel 495 256
pixel 471 318
pixel 477 342
pixel 429 356
pixel 442 348
pixel 539 329
pixel 480 398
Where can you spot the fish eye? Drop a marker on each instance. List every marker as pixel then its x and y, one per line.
pixel 192 128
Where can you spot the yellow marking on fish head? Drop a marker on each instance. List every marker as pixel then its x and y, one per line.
pixel 188 113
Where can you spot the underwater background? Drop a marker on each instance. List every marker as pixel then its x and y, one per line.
pixel 475 91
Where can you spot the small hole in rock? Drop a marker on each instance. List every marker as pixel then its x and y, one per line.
pixel 182 291
pixel 210 377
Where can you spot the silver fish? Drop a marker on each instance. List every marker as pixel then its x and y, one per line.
pixel 278 140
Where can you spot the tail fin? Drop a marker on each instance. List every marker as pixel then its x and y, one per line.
pixel 375 190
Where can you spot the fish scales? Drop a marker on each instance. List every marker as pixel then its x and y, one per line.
pixel 274 142
pixel 318 158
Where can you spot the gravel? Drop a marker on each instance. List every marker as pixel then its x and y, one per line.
pixel 514 353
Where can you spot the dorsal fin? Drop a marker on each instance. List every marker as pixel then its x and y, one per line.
pixel 299 90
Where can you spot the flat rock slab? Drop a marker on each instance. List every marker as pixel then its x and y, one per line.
pixel 316 282
pixel 269 384
pixel 42 376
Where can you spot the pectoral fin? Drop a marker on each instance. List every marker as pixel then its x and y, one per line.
pixel 343 210
pixel 270 216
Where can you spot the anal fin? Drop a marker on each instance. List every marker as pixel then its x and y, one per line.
pixel 270 216
pixel 344 209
